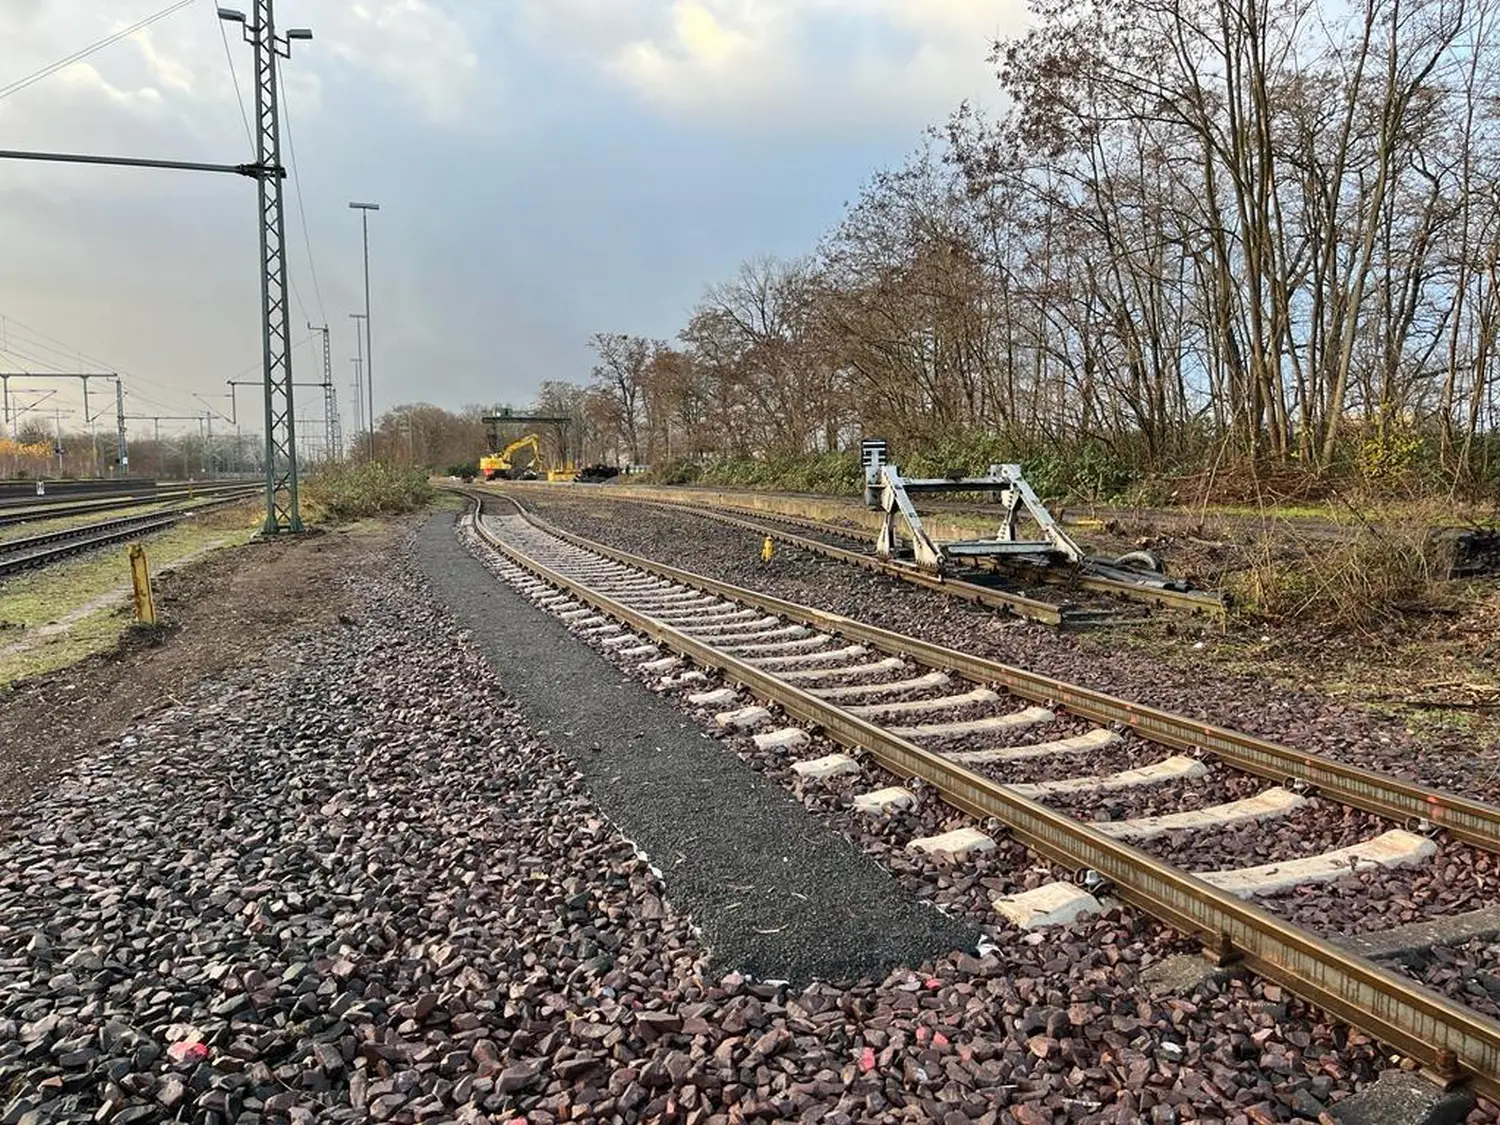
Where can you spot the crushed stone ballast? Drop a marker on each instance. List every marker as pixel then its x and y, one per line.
pixel 696 618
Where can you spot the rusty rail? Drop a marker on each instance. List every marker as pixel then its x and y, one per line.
pixel 1192 601
pixel 1406 802
pixel 1450 1040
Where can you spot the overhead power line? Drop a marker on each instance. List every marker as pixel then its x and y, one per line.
pixel 234 79
pixel 291 148
pixel 27 347
pixel 13 331
pixel 77 56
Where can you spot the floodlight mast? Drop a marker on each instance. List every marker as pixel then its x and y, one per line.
pixel 364 210
pixel 283 512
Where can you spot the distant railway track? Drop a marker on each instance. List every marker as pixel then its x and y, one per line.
pixel 25 491
pixel 1189 601
pixel 1474 536
pixel 31 510
pixel 34 551
pixel 787 655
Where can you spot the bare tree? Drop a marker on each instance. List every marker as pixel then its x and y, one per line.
pixel 620 375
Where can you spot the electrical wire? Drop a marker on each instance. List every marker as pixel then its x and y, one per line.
pixel 77 56
pixel 23 360
pixel 291 148
pixel 18 344
pixel 21 352
pixel 43 342
pixel 234 78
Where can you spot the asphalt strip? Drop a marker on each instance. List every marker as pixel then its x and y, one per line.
pixel 775 893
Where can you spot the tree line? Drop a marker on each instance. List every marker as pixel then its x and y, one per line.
pixel 1205 233
pixel 1259 232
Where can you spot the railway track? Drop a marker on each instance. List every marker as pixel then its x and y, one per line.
pixel 12 515
pixel 52 546
pixel 943 721
pixel 1190 601
pixel 990 586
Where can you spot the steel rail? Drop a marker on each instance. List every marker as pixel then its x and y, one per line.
pixel 20 490
pixel 1195 602
pixel 1034 609
pixel 39 550
pixel 1406 802
pixel 50 507
pixel 78 531
pixel 1189 600
pixel 17 514
pixel 1450 1040
pixel 24 557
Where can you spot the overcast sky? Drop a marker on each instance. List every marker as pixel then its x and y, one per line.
pixel 546 169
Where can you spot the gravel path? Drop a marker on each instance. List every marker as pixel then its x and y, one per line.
pixel 352 884
pixel 776 895
pixel 221 610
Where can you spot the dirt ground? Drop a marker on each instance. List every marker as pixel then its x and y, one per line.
pixel 1438 674
pixel 218 612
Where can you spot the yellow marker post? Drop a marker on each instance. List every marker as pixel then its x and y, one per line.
pixel 767 549
pixel 140 579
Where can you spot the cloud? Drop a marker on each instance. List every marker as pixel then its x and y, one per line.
pixel 705 38
pixel 416 46
pixel 81 76
pixel 170 72
pixel 800 64
pixel 702 53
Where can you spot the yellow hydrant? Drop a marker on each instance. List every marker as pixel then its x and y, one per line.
pixel 767 549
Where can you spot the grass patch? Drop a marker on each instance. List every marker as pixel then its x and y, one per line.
pixel 55 617
pixel 1330 512
pixel 347 493
pixel 1432 674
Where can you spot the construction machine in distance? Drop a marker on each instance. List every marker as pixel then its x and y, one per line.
pixel 502 466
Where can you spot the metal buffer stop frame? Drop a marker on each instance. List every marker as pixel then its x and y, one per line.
pixel 887 490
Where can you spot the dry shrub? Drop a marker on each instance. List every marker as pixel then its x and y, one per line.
pixel 348 492
pixel 1381 567
pixel 1244 481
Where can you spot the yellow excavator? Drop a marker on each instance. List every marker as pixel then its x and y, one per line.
pixel 502 466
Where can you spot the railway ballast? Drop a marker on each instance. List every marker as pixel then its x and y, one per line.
pixel 803 664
